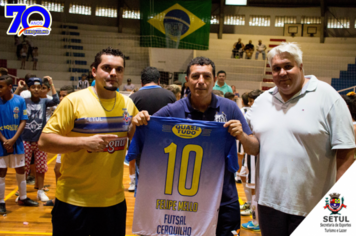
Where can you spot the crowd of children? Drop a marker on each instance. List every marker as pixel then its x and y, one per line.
pixel 23 115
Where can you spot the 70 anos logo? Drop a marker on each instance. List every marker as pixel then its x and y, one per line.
pixel 21 14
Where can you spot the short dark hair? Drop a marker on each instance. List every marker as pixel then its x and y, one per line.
pixel 46 83
pixel 254 93
pixel 3 71
pixel 67 88
pixel 201 61
pixel 108 51
pixel 8 80
pixel 245 98
pixel 149 75
pixel 221 71
pixel 350 100
pixel 229 95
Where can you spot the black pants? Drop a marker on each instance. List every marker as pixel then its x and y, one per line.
pixel 229 219
pixel 70 220
pixel 277 223
pixel 18 49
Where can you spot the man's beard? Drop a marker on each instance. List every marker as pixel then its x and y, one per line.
pixel 110 88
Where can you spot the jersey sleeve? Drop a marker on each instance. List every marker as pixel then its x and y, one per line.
pixel 62 120
pixel 231 154
pixel 131 107
pixel 136 144
pixel 135 110
pixel 340 126
pixel 23 112
pixel 52 102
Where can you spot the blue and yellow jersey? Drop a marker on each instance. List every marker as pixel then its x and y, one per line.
pixel 92 179
pixel 181 176
pixel 12 112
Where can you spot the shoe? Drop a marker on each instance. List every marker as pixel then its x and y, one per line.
pixel 245 206
pixel 27 202
pixel 49 203
pixel 45 188
pixel 250 226
pixel 2 208
pixel 41 196
pixel 238 180
pixel 246 212
pixel 132 186
pixel 30 180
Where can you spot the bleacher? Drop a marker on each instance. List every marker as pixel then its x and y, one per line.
pixel 346 80
pixel 325 61
pixel 70 49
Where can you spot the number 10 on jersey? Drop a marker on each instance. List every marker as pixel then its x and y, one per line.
pixel 172 151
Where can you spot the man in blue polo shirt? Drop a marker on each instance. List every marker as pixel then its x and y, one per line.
pixel 202 104
pixel 220 83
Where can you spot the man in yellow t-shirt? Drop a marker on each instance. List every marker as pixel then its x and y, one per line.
pixel 90 128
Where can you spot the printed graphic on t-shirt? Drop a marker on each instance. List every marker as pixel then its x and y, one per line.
pixel 35 113
pixel 16 111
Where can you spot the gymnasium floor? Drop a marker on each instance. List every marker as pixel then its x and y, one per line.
pixel 37 220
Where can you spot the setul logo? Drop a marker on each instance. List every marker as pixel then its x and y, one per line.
pixel 186 131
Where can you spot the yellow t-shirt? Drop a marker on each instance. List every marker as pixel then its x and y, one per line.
pixel 92 179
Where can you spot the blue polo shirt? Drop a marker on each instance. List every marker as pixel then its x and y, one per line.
pixel 220 110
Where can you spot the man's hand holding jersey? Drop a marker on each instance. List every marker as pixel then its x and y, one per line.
pixel 141 118
pixel 251 144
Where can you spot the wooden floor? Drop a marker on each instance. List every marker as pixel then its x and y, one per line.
pixel 38 219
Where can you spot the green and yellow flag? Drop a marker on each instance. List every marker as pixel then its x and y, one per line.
pixel 181 24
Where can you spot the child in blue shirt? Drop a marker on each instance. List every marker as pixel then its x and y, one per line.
pixel 13 116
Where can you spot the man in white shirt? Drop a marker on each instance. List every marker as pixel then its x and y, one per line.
pixel 306 142
pixel 261 48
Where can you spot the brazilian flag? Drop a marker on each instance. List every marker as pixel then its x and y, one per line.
pixel 181 24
